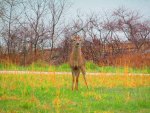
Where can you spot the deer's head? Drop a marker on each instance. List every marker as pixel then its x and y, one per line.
pixel 76 41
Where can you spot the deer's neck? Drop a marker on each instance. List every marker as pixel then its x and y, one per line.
pixel 76 52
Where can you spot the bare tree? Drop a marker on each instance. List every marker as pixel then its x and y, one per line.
pixel 56 11
pixel 101 32
pixel 35 11
pixel 2 10
pixel 129 24
pixel 10 23
pixel 143 34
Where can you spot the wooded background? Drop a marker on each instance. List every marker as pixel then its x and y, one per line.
pixel 33 30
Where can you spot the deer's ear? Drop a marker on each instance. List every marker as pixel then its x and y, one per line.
pixel 82 39
pixel 72 38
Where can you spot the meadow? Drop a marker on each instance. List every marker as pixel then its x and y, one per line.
pixel 53 94
pixel 90 67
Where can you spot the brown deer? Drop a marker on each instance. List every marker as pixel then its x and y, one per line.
pixel 77 61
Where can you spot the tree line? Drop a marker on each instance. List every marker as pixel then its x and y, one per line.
pixel 32 30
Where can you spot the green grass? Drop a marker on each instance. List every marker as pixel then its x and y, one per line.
pixel 51 94
pixel 90 67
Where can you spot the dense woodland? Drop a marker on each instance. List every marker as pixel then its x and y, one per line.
pixel 40 30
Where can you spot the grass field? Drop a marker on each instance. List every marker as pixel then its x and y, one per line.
pixel 53 94
pixel 90 67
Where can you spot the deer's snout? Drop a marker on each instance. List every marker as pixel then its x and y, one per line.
pixel 77 44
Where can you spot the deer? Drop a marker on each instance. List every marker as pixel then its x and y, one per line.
pixel 77 61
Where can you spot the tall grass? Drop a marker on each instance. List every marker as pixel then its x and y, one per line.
pixel 53 94
pixel 90 67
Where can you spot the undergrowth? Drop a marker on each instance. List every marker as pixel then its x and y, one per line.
pixel 90 67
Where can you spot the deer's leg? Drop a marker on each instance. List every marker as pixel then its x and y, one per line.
pixel 77 78
pixel 73 79
pixel 84 73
